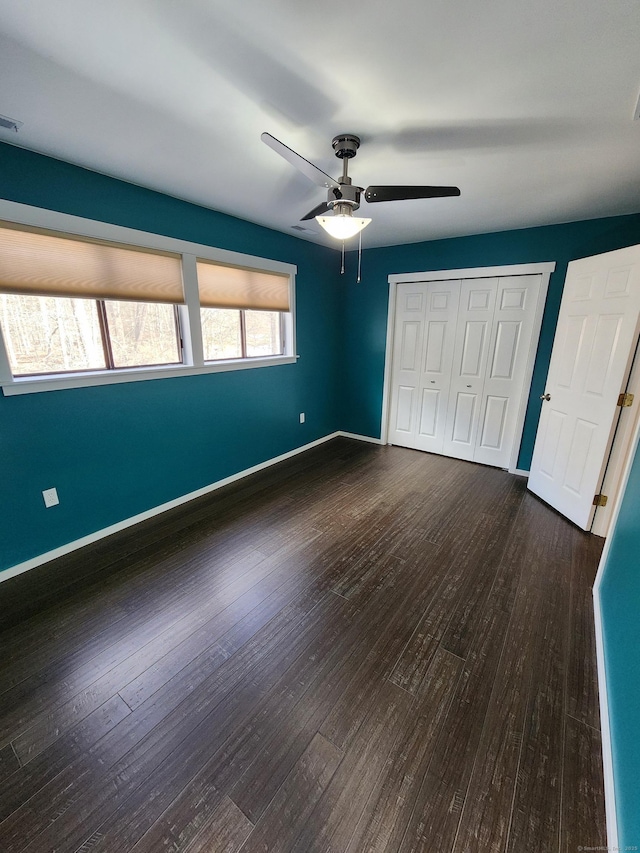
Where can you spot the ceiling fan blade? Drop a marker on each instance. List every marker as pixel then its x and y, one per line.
pixel 308 169
pixel 372 194
pixel 317 211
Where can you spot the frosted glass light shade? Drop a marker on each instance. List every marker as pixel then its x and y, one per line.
pixel 341 226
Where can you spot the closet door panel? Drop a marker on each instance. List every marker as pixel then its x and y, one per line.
pixel 512 327
pixel 442 299
pixel 429 413
pixel 473 333
pixel 406 365
pixel 492 433
pixel 424 339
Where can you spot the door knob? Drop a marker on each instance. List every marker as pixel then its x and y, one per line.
pixel 545 397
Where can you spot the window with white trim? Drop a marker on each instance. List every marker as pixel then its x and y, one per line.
pixel 78 309
pixel 69 304
pixel 241 311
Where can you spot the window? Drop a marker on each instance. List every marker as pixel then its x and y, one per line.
pixel 263 333
pixel 221 333
pixel 241 311
pixel 240 334
pixel 52 324
pixel 48 334
pixel 141 333
pixel 85 310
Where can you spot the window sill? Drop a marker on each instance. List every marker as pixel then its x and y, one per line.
pixel 59 382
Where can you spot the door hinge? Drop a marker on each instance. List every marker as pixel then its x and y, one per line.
pixel 600 500
pixel 625 400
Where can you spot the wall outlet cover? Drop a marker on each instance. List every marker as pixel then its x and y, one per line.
pixel 50 497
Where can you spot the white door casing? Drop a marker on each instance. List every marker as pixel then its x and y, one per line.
pixel 620 450
pixel 590 362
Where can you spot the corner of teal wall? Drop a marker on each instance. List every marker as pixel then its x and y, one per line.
pixel 116 451
pixel 620 607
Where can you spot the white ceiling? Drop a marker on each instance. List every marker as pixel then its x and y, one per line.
pixel 526 105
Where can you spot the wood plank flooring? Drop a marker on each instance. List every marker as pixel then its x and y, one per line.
pixel 361 649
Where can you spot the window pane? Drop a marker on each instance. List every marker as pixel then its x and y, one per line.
pixel 142 333
pixel 47 334
pixel 263 333
pixel 221 333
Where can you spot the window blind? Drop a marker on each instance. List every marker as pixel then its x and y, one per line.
pixel 42 263
pixel 223 286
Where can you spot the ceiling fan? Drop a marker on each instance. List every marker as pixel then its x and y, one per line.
pixel 342 196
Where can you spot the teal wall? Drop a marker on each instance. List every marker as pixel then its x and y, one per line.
pixel 620 603
pixel 114 451
pixel 365 314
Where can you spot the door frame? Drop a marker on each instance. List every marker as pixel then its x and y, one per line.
pixel 543 269
pixel 624 434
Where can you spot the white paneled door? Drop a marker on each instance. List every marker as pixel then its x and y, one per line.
pixel 426 315
pixel 509 344
pixel 475 320
pixel 459 362
pixel 592 355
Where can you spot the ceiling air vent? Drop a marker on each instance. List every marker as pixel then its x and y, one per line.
pixel 7 123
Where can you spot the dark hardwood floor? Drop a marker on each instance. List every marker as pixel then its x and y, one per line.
pixel 361 649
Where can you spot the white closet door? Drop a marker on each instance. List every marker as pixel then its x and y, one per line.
pixel 442 298
pixel 509 344
pixel 426 315
pixel 473 335
pixel 407 356
pixel 460 355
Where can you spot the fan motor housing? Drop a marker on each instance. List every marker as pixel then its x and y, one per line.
pixel 346 145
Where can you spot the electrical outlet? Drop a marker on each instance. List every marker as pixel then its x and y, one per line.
pixel 50 497
pixel 301 417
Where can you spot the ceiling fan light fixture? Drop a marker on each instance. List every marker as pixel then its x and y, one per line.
pixel 342 226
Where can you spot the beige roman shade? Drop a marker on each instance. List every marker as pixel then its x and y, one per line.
pixel 42 263
pixel 223 286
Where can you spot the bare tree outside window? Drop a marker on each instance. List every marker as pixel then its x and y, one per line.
pixel 46 334
pixel 263 333
pixel 221 334
pixel 228 333
pixel 142 333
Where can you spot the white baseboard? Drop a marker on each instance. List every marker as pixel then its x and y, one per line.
pixel 142 516
pixel 361 437
pixel 519 472
pixel 605 730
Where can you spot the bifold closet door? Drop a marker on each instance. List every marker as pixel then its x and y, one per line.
pixel 459 362
pixel 493 337
pixel 424 339
pixel 509 346
pixel 473 335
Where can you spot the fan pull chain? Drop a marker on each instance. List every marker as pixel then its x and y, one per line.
pixel 359 256
pixel 342 267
